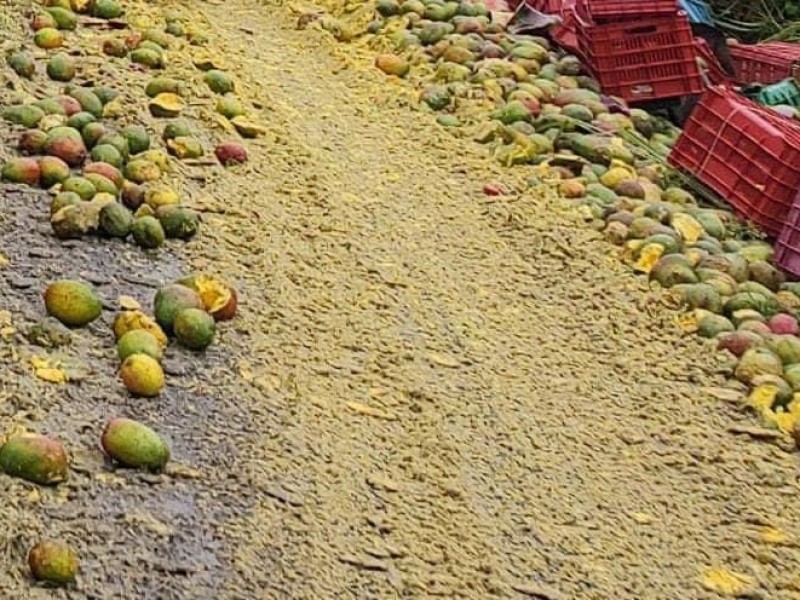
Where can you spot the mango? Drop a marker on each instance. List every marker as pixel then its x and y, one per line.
pixel 172 299
pixel 230 153
pixel 139 341
pixel 166 105
pixel 218 81
pixel 53 171
pixel 35 458
pixel 194 328
pixel 73 303
pixel 142 376
pixel 391 64
pixel 27 116
pixel 148 57
pixel 140 170
pixel 61 67
pixel 66 143
pixel 178 222
pixel 53 562
pixel 219 298
pixel 148 233
pixel 133 444
pixel 65 19
pixel 130 320
pixel 164 85
pixel 48 38
pixel 106 9
pixel 108 171
pixel 32 141
pixel 21 170
pixel 80 185
pixel 23 64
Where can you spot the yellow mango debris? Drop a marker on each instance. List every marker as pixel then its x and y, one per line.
pixel 688 227
pixel 725 582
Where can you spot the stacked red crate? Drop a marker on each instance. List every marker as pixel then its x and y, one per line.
pixel 638 58
pixel 714 71
pixel 766 63
pixel 746 153
pixel 602 11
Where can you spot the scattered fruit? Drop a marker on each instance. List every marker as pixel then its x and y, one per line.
pixel 48 38
pixel 35 458
pixel 166 105
pixel 133 444
pixel 148 232
pixel 194 328
pixel 21 170
pixel 230 153
pixel 172 299
pixel 116 220
pixel 218 81
pixel 72 302
pixel 219 299
pixel 53 170
pixel 23 64
pixel 142 375
pixel 53 562
pixel 139 341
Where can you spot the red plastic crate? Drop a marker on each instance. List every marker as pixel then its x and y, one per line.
pixel 549 7
pixel 747 154
pixel 616 10
pixel 715 73
pixel 787 248
pixel 769 62
pixel 641 59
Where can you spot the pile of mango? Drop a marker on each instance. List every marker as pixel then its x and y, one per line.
pixel 108 180
pixel 106 176
pixel 536 107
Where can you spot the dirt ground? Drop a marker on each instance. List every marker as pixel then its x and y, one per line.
pixel 428 392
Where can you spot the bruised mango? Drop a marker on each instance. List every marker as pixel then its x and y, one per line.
pixel 21 170
pixel 133 444
pixel 130 320
pixel 116 220
pixel 140 170
pixel 166 105
pixel 35 458
pixel 185 147
pixel 219 298
pixel 230 153
pixel 53 562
